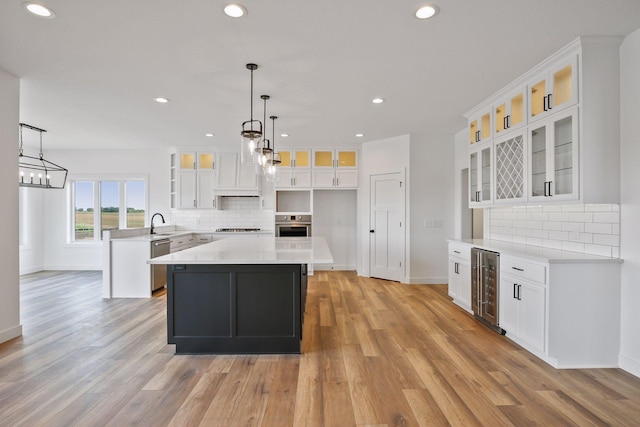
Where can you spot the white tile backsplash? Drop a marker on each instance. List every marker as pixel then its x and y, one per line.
pixel 592 229
pixel 233 212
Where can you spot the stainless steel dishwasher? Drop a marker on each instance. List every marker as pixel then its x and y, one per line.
pixel 159 271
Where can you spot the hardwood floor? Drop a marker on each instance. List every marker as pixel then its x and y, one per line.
pixel 376 353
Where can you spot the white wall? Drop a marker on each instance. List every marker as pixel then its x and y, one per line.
pixel 32 223
pixel 59 254
pixel 335 218
pixel 9 285
pixel 630 202
pixel 385 155
pixel 462 213
pixel 432 199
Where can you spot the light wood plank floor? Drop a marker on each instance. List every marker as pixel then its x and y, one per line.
pixel 376 353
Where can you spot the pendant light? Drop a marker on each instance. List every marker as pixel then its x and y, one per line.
pixel 251 129
pixel 271 166
pixel 36 171
pixel 263 150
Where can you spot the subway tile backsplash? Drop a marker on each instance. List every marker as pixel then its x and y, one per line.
pixel 592 229
pixel 233 212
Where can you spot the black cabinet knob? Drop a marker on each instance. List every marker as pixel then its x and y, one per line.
pixel 372 231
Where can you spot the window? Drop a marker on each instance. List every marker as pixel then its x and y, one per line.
pixel 106 204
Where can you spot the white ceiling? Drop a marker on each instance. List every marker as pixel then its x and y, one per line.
pixel 89 76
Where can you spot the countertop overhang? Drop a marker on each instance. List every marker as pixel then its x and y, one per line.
pixel 259 250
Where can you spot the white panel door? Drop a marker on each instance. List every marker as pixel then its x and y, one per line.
pixel 386 253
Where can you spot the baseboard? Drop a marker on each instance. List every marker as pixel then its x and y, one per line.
pixel 71 267
pixel 333 267
pixel 11 333
pixel 629 364
pixel 31 270
pixel 426 280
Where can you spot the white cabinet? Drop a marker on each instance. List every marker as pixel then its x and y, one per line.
pixel 335 178
pixel 480 126
pixel 293 178
pixel 522 312
pixel 293 158
pixel 553 88
pixel 192 180
pixel 234 176
pixel 510 112
pixel 335 158
pixel 553 157
pixel 480 175
pixel 181 242
pixel 460 275
pixel 510 168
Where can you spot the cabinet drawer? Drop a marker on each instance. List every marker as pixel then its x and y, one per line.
pixel 523 269
pixel 460 251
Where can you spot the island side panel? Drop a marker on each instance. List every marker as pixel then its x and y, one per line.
pixel 231 309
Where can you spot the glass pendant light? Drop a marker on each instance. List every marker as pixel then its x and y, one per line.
pixel 263 150
pixel 271 166
pixel 251 129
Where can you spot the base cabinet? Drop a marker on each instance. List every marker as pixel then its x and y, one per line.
pixel 460 276
pixel 522 312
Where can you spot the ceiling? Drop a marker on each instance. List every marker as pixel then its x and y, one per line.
pixel 90 75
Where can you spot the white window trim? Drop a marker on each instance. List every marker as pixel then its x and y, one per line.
pixel 96 179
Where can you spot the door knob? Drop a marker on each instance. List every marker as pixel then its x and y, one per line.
pixel 372 231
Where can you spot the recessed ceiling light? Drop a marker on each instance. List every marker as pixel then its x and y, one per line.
pixel 427 11
pixel 234 10
pixel 284 135
pixel 210 135
pixel 39 10
pixel 161 100
pixel 377 100
pixel 359 135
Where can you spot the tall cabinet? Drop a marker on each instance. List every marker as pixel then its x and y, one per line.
pixel 551 138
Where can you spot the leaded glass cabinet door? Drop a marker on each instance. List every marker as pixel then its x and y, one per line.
pixel 510 169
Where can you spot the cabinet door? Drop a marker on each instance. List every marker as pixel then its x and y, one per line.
pixel 187 161
pixel 302 178
pixel 346 159
pixel 206 161
pixel 464 284
pixel 509 114
pixel 480 128
pixel 556 88
pixel 532 315
pixel 480 176
pixel 346 179
pixel 323 159
pixel 227 170
pixel 186 190
pixel 509 305
pixel 454 280
pixel 553 153
pixel 205 197
pixel 323 178
pixel 510 169
pixel 302 159
pixel 286 158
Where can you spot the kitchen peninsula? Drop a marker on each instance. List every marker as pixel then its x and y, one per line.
pixel 240 295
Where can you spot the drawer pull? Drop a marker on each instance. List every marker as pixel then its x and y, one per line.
pixel 457 252
pixel 519 269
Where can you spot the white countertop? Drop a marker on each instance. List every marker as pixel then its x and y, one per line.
pixel 259 250
pixel 535 253
pixel 167 235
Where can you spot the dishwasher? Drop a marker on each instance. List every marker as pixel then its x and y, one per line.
pixel 159 271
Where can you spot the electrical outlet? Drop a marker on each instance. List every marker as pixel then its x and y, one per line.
pixel 437 224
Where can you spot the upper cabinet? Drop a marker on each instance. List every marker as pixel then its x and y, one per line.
pixel 553 135
pixel 192 180
pixel 291 158
pixel 327 158
pixel 509 112
pixel 554 88
pixel 480 127
pixel 196 161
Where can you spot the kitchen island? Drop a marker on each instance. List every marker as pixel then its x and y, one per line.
pixel 240 296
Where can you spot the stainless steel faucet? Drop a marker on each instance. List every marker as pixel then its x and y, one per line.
pixel 152 217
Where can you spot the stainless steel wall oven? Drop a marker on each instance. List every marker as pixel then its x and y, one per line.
pixel 293 225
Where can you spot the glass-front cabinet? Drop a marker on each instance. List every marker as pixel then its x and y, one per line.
pixel 295 158
pixel 553 154
pixel 480 173
pixel 480 128
pixel 555 89
pixel 510 112
pixel 327 158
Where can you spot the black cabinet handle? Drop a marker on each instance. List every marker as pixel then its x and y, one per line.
pixel 457 252
pixel 456 268
pixel 515 291
pixel 519 269
pixel 505 122
pixel 372 231
pixel 549 101
pixel 509 121
pixel 519 288
pixel 544 103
